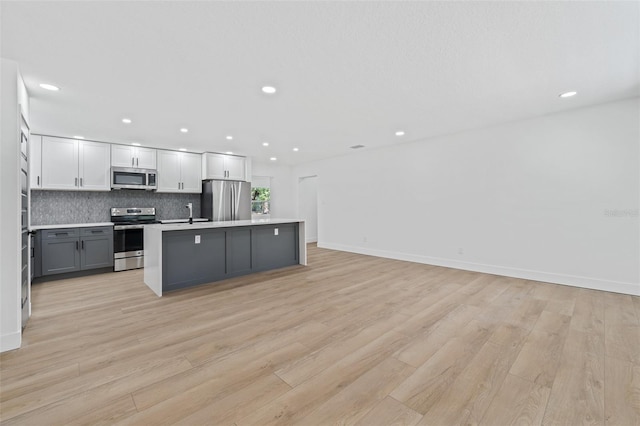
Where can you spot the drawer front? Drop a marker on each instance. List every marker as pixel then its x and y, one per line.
pixel 60 233
pixel 95 232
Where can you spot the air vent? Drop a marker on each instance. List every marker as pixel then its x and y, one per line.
pixel 357 146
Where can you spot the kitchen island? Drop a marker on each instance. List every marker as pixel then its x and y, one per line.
pixel 184 255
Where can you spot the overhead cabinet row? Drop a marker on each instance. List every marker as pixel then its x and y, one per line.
pixel 77 165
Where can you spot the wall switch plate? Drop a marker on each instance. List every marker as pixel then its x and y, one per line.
pixel 197 239
pixel 275 231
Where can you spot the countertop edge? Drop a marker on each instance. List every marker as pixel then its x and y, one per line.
pixel 226 224
pixel 69 225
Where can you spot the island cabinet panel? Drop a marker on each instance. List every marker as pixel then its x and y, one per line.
pixel 238 251
pixel 186 262
pixel 199 256
pixel 274 246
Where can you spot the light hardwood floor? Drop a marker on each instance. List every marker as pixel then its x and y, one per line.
pixel 349 339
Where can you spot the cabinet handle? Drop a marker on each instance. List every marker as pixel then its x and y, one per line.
pixel 38 179
pixel 82 244
pixel 81 184
pixel 137 161
pixel 133 161
pixel 76 182
pixel 76 245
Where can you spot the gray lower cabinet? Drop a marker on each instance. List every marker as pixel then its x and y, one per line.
pixel 275 246
pixel 193 257
pixel 186 263
pixel 74 249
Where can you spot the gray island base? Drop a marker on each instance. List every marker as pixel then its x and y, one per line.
pixel 184 255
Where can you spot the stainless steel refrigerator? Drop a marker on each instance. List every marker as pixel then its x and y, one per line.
pixel 226 200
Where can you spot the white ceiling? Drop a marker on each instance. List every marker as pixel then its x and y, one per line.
pixel 347 73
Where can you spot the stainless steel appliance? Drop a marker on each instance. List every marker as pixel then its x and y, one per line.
pixel 128 235
pixel 225 200
pixel 129 178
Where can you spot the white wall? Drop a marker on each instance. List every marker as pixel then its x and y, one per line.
pixel 12 94
pixel 554 198
pixel 281 188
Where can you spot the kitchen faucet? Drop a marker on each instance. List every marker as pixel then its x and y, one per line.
pixel 190 207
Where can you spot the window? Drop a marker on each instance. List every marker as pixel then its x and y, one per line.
pixel 261 196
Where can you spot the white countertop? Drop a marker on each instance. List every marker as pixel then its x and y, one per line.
pixel 225 224
pixel 69 225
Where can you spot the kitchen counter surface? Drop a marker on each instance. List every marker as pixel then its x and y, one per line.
pixel 69 225
pixel 225 224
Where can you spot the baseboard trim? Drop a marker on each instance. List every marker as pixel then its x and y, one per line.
pixel 10 341
pixel 570 280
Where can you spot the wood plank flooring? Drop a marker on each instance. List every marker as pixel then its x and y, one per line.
pixel 349 339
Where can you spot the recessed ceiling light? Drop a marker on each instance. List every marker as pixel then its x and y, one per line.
pixel 135 144
pixel 184 130
pixel 356 146
pixel 126 120
pixel 78 137
pixel 229 137
pixel 568 94
pixel 296 149
pixel 269 89
pixel 49 87
pixel 229 152
pixel 182 149
pixel 399 133
pixel 265 143
pixel 273 158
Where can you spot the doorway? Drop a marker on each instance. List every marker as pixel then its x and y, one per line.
pixel 308 206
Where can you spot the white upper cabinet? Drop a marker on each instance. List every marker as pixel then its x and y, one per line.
pixel 69 164
pixel 35 162
pixel 191 172
pixel 59 163
pixel 179 172
pixel 133 156
pixel 94 169
pixel 221 166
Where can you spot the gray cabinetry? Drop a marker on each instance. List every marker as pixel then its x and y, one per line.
pixel 275 246
pixel 239 251
pixel 60 251
pixel 74 249
pixel 186 263
pixel 192 257
pixel 96 247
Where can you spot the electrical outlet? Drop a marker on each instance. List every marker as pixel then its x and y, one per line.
pixel 364 239
pixel 197 239
pixel 460 250
pixel 275 231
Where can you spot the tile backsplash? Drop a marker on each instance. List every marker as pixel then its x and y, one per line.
pixel 62 207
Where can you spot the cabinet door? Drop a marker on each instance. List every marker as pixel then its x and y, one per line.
pixel 35 162
pixel 122 156
pixel 235 167
pixel 191 173
pixel 96 252
pixel 59 163
pixel 169 171
pixel 214 166
pixel 94 166
pixel 96 247
pixel 60 255
pixel 145 158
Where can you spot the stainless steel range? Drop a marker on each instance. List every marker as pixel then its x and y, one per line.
pixel 128 235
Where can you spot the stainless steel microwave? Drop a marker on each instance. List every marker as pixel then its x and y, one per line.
pixel 128 178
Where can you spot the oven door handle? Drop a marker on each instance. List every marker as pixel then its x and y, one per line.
pixel 125 227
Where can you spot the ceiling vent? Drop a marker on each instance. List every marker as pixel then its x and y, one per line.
pixel 357 146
